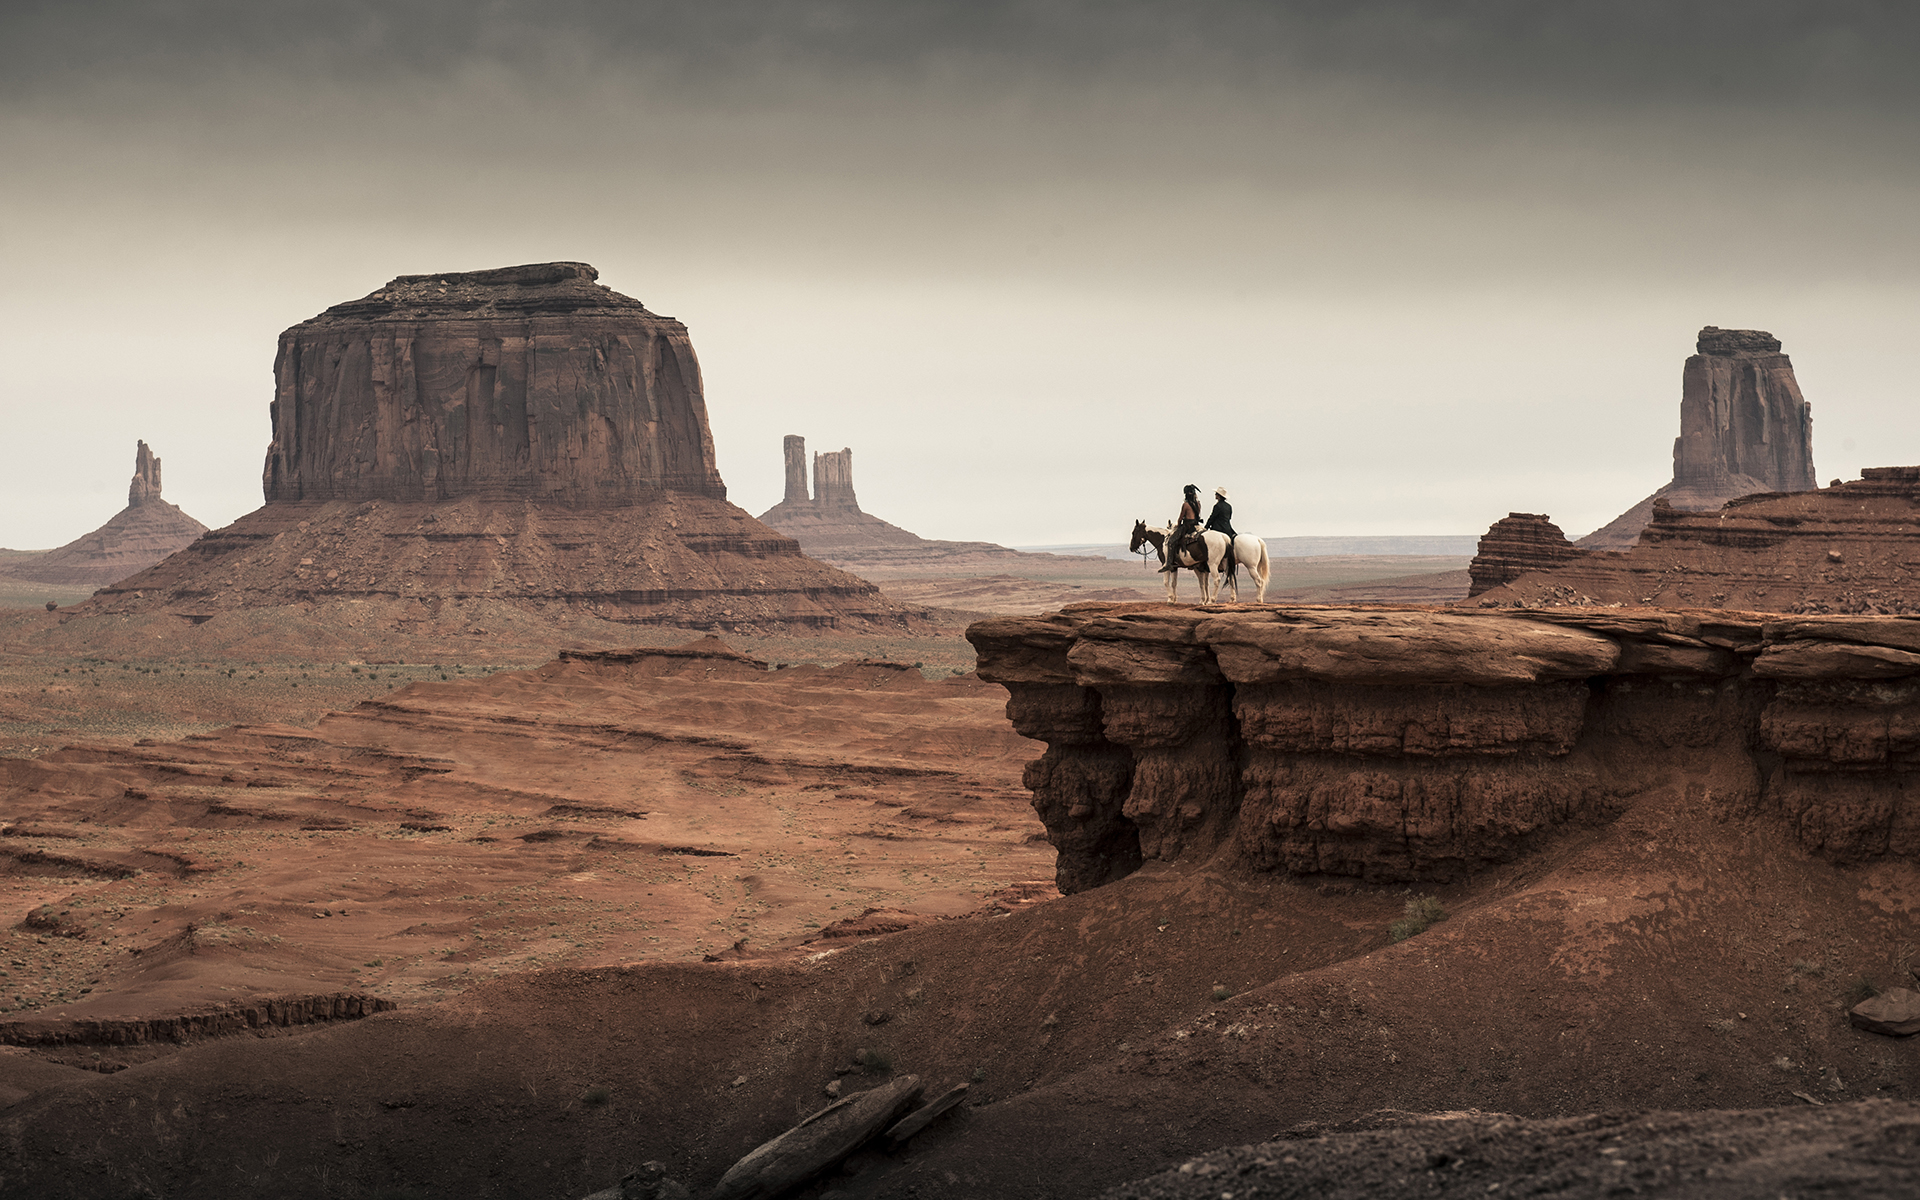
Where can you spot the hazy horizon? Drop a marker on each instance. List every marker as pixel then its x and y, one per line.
pixel 1379 268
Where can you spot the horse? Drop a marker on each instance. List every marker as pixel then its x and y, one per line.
pixel 1246 551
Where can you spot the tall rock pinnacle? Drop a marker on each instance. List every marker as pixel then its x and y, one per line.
pixel 1744 428
pixel 795 448
pixel 145 484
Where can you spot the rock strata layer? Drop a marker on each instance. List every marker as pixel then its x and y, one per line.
pixel 1514 545
pixel 1850 548
pixel 531 381
pixel 1744 428
pixel 146 531
pixel 1411 745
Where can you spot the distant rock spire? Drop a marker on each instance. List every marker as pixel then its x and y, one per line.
pixel 796 451
pixel 1744 429
pixel 833 480
pixel 145 486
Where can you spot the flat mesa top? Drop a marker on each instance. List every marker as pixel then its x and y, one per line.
pixel 1730 343
pixel 530 290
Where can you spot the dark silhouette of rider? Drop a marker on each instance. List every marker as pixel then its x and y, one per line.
pixel 1183 529
pixel 1221 517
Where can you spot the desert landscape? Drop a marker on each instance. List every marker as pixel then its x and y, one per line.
pixel 494 828
pixel 455 785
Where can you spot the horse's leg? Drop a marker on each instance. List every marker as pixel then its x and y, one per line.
pixel 1263 571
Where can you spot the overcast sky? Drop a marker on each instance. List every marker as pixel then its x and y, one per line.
pixel 1376 267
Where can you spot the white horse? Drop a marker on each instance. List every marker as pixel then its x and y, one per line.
pixel 1246 551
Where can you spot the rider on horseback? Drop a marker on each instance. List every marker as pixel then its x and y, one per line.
pixel 1221 517
pixel 1189 521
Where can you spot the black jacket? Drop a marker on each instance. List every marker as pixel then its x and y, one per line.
pixel 1221 518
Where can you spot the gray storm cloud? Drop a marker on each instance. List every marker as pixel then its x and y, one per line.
pixel 1394 266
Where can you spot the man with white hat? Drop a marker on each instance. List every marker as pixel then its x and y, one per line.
pixel 1221 517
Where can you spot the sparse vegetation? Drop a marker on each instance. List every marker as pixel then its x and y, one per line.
pixel 1803 967
pixel 979 1075
pixel 594 1097
pixel 1220 993
pixel 874 1062
pixel 1860 989
pixel 1422 913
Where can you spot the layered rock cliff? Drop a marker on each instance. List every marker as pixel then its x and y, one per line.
pixel 143 533
pixel 521 436
pixel 1744 429
pixel 1849 548
pixel 1514 545
pixel 1410 745
pixel 520 382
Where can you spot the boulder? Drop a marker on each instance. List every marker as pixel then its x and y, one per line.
pixel 1894 1012
pixel 926 1114
pixel 650 1182
pixel 818 1143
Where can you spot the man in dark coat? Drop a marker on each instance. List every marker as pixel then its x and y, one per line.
pixel 1184 527
pixel 1221 517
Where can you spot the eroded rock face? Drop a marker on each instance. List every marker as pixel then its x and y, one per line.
pixel 1744 429
pixel 1420 745
pixel 520 382
pixel 1515 544
pixel 1845 549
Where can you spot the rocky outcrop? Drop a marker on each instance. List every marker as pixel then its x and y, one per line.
pixel 831 526
pixel 829 523
pixel 1744 429
pixel 1850 548
pixel 521 382
pixel 521 435
pixel 1514 545
pixel 1415 745
pixel 143 533
pixel 833 480
pixel 223 1021
pixel 144 487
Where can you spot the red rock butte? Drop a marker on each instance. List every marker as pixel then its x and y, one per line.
pixel 146 531
pixel 521 435
pixel 1844 549
pixel 1744 428
pixel 531 381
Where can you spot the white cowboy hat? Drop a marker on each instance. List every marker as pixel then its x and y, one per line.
pixel 1220 492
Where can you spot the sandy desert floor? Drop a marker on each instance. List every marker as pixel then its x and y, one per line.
pixel 629 907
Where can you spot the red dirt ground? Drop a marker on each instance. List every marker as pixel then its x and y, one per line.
pixel 1669 960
